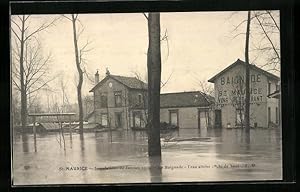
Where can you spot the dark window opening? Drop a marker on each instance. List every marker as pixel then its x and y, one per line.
pixel 269 114
pixel 277 115
pixel 103 100
pixel 140 99
pixel 118 99
pixel 218 118
pixel 118 119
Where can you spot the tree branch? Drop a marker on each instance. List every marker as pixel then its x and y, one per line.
pixel 269 12
pixel 41 28
pixel 262 27
pixel 66 17
pixel 17 25
pixel 164 83
pixel 16 34
pixel 44 84
pixel 15 83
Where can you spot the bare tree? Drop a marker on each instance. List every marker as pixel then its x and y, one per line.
pixel 208 92
pixel 79 61
pixel 247 99
pixel 268 23
pixel 29 64
pixel 154 83
pixel 265 35
pixel 237 99
pixel 16 108
pixel 65 100
pixel 205 87
pixel 265 45
pixel 88 104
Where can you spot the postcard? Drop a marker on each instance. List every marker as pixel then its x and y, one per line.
pixel 116 98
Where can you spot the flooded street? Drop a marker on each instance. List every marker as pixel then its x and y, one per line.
pixel 121 157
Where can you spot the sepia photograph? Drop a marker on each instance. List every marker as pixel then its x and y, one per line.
pixel 148 97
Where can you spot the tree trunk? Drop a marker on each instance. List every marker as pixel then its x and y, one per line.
pixel 23 91
pixel 80 75
pixel 154 79
pixel 247 99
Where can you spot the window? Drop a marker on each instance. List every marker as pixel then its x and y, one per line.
pixel 137 119
pixel 118 119
pixel 269 114
pixel 118 99
pixel 104 121
pixel 103 100
pixel 173 117
pixel 277 115
pixel 140 98
pixel 269 88
pixel 240 116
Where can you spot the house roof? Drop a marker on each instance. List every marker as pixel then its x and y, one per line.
pixel 240 62
pixel 89 126
pixel 185 99
pixel 50 126
pixel 130 82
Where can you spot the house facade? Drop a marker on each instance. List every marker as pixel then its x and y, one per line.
pixel 229 86
pixel 187 109
pixel 121 102
pixel 115 97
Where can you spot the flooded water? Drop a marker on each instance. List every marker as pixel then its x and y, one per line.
pixel 188 155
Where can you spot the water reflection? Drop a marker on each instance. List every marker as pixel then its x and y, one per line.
pixel 216 146
pixel 278 135
pixel 155 169
pixel 214 132
pixel 25 145
pixel 83 157
pixel 71 141
pixel 245 136
pixel 82 143
pixel 35 143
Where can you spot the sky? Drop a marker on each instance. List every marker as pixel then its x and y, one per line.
pixel 200 44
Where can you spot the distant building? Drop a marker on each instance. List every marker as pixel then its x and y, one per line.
pixel 187 109
pixel 121 102
pixel 118 101
pixel 229 87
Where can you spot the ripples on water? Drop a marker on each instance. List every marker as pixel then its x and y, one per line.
pixel 121 156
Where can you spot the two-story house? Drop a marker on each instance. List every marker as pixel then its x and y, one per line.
pixel 229 85
pixel 119 101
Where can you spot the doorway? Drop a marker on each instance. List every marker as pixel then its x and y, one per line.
pixel 202 118
pixel 173 117
pixel 218 118
pixel 203 121
pixel 118 120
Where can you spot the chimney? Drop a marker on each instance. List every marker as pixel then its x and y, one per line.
pixel 107 72
pixel 96 78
